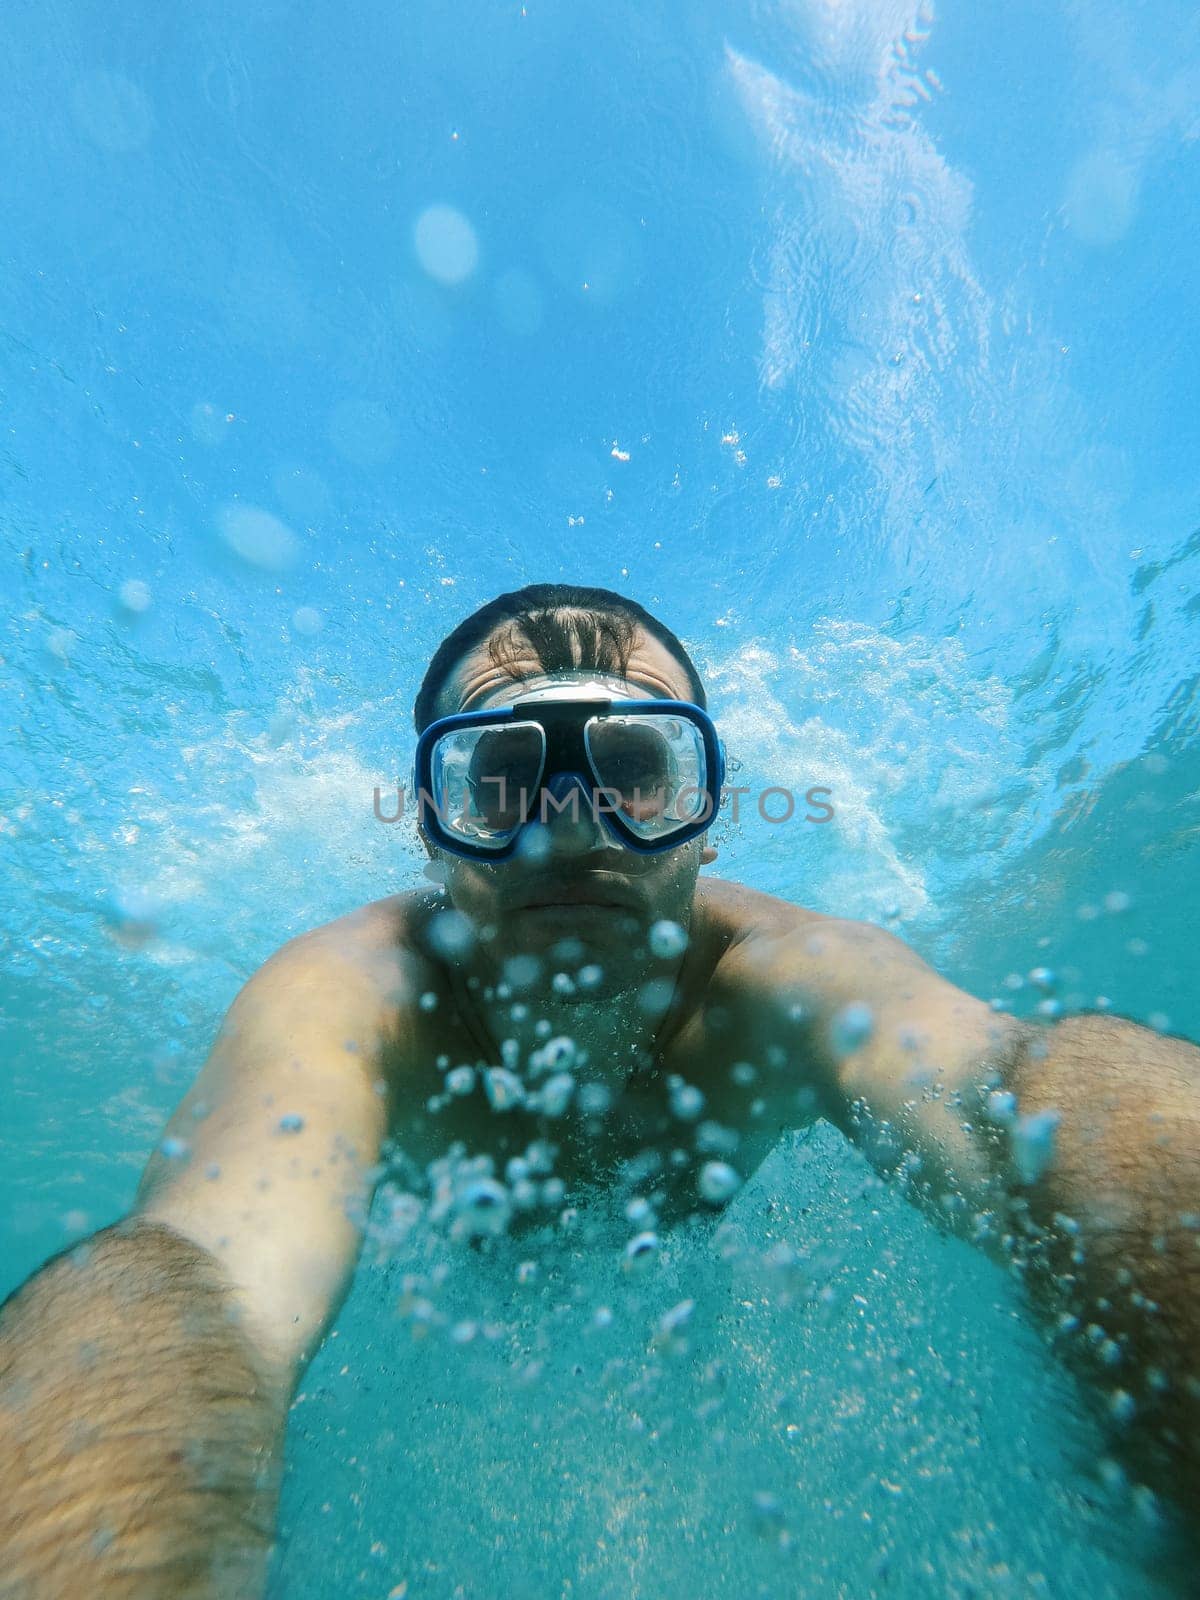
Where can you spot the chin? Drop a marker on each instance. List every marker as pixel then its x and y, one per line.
pixel 563 945
pixel 610 932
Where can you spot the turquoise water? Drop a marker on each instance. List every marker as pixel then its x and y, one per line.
pixel 859 343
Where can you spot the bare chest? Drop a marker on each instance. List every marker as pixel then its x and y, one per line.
pixel 678 1134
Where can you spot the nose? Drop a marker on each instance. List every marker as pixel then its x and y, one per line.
pixel 563 824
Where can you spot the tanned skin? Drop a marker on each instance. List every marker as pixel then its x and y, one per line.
pixel 145 1376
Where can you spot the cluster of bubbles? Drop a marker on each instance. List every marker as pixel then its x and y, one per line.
pixel 546 1075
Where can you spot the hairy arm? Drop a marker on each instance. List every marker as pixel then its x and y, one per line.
pixel 145 1376
pixel 1112 1234
pixel 139 1429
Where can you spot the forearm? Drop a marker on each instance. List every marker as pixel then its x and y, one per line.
pixel 1112 1224
pixel 139 1434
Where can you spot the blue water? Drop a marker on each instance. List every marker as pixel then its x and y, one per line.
pixel 856 341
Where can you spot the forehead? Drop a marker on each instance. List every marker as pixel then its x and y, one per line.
pixel 477 682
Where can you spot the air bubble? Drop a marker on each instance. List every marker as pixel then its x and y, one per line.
pixel 307 621
pixel 767 1505
pixel 713 1138
pixel 718 1182
pixel 540 1157
pixel 505 1090
pixel 1001 1106
pixel 134 597
pixel 557 1054
pixel 446 244
pixel 451 935
pixel 460 1080
pixel 132 917
pixel 852 1028
pixel 483 1207
pixel 59 644
pixel 594 1099
pixel 260 539
pixel 520 972
pixel 1122 1405
pixel 641 1250
pixel 1033 1142
pixel 687 1102
pixel 556 1094
pixel 667 940
pixel 677 1317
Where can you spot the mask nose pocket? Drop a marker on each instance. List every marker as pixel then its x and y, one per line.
pixel 559 788
pixel 564 819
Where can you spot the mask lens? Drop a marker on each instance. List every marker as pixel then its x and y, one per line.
pixel 486 779
pixel 652 769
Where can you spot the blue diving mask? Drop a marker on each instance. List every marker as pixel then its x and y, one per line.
pixel 649 770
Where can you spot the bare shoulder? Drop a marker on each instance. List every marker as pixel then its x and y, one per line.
pixel 379 924
pixel 377 942
pixel 766 943
pixel 751 933
pixel 734 913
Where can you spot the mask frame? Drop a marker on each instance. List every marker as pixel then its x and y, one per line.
pixel 566 762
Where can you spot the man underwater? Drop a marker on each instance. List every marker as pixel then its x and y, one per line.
pixel 573 986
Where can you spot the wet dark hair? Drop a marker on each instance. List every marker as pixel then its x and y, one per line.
pixel 558 621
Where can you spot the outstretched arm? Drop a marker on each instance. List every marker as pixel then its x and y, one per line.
pixel 1072 1149
pixel 145 1375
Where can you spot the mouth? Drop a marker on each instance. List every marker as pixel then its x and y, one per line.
pixel 596 895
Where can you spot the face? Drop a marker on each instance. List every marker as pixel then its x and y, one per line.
pixel 578 897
